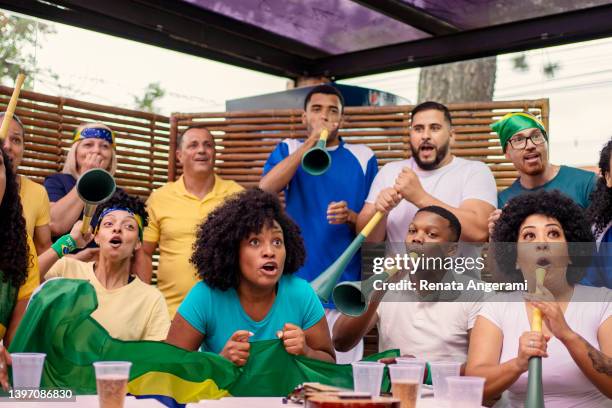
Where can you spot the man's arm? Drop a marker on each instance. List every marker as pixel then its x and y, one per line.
pixel 379 233
pixel 473 213
pixel 386 200
pixel 348 331
pixel 281 174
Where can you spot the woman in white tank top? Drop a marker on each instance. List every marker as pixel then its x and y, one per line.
pixel 576 339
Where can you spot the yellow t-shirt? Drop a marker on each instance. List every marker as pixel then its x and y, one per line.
pixel 174 217
pixel 33 279
pixel 35 203
pixel 136 311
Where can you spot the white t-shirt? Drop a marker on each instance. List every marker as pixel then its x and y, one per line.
pixel 433 331
pixel 564 384
pixel 452 184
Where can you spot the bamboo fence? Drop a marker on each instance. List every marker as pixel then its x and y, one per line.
pixel 245 139
pixel 146 141
pixel 142 138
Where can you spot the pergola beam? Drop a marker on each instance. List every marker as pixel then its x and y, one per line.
pixel 403 12
pixel 581 25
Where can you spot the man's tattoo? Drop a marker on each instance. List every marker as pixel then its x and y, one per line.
pixel 601 362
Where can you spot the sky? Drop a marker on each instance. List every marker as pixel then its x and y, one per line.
pixel 103 69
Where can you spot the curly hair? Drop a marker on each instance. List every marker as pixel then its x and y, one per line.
pixel 122 199
pixel 552 204
pixel 14 256
pixel 216 250
pixel 600 210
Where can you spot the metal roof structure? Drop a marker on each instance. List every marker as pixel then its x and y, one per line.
pixel 334 38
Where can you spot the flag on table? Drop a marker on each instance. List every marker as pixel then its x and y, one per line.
pixel 58 322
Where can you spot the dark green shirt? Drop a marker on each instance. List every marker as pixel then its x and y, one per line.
pixel 575 183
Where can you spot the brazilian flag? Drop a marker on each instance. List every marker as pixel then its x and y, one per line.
pixel 58 322
pixel 8 299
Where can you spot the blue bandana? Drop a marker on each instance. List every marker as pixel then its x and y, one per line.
pixel 95 133
pixel 111 209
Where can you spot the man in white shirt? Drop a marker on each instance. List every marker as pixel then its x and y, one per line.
pixel 431 325
pixel 432 176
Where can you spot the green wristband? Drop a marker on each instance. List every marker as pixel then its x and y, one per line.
pixel 64 245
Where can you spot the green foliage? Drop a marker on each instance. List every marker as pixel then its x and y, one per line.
pixel 520 63
pixel 152 93
pixel 550 69
pixel 18 40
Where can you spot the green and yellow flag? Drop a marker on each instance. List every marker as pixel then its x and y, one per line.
pixel 58 322
pixel 8 299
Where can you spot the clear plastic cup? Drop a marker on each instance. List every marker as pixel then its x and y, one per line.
pixel 367 377
pixel 27 369
pixel 465 392
pixel 111 382
pixel 413 361
pixel 439 372
pixel 406 383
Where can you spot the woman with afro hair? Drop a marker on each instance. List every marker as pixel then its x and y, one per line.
pixel 600 215
pixel 246 253
pixel 545 230
pixel 18 263
pixel 128 308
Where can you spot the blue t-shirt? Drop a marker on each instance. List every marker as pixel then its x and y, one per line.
pixel 575 183
pixel 218 314
pixel 600 272
pixel 58 185
pixel 349 178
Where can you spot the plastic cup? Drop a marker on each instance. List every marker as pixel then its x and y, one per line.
pixel 413 361
pixel 111 382
pixel 27 369
pixel 367 377
pixel 406 383
pixel 440 371
pixel 465 392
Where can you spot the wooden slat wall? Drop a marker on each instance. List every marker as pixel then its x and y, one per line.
pixel 142 138
pixel 245 139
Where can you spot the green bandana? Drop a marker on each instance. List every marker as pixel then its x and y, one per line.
pixel 512 123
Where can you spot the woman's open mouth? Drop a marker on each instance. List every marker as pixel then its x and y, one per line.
pixel 270 268
pixel 115 242
pixel 543 262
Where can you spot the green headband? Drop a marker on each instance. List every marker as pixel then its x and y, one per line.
pixel 513 123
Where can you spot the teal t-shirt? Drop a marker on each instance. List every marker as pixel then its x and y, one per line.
pixel 575 183
pixel 218 314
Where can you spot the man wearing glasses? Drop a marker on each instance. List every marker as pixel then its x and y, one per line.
pixel 524 141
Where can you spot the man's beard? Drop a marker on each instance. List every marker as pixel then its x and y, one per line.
pixel 440 155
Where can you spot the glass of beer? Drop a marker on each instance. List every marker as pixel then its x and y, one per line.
pixel 111 382
pixel 405 383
